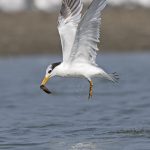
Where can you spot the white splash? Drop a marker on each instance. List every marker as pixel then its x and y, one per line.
pixel 84 146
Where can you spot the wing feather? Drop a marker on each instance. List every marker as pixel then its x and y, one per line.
pixel 68 20
pixel 88 34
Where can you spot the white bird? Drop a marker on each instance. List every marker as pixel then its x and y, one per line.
pixel 79 37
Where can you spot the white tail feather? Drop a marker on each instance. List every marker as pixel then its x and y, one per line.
pixel 114 77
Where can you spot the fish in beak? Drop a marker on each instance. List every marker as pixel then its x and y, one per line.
pixel 43 87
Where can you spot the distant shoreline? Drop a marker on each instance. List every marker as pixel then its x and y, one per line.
pixel 28 33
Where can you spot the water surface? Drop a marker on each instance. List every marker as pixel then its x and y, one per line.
pixel 117 117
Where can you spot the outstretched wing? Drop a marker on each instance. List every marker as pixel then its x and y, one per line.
pixel 69 17
pixel 88 33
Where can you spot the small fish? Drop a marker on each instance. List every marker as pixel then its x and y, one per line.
pixel 45 89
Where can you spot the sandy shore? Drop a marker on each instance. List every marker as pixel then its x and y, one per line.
pixel 35 32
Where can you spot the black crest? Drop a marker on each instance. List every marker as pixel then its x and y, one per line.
pixel 55 65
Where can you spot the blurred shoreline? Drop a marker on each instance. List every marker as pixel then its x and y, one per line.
pixel 34 32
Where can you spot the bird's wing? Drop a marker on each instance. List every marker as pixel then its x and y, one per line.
pixel 68 20
pixel 88 33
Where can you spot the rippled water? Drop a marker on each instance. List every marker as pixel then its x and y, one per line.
pixel 117 117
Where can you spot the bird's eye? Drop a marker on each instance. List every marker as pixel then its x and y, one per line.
pixel 49 71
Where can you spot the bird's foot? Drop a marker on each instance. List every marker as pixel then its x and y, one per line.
pixel 91 89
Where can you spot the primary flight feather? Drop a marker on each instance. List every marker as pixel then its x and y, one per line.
pixel 68 20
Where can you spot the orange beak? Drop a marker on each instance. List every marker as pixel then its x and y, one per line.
pixel 43 87
pixel 45 80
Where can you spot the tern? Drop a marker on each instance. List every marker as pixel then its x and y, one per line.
pixel 79 38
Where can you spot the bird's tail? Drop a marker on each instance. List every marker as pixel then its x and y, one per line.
pixel 114 77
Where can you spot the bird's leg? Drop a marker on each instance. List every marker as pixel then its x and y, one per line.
pixel 91 89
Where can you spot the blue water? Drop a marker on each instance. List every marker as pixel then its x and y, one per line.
pixel 116 118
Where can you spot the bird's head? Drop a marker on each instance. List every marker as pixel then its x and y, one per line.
pixel 49 73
